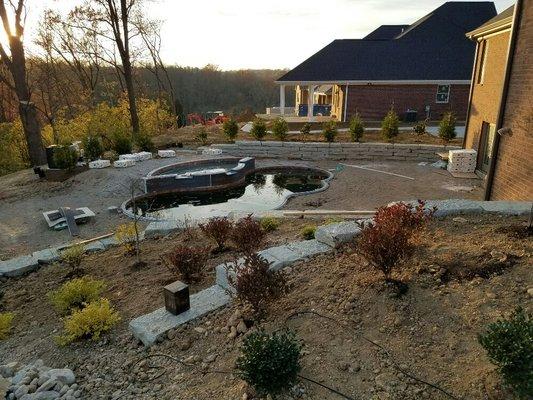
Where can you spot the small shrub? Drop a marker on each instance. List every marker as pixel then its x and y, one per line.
pixel 201 135
pixel 144 143
pixel 122 144
pixel 6 322
pixel 259 129
pixel 92 146
pixel 126 236
pixel 447 127
pixel 308 232
pixel 357 128
pixel 389 240
pixel 188 263
pixel 73 256
pixel 231 128
pixel 255 284
pixel 329 131
pixel 509 346
pixel 306 129
pixel 76 294
pixel 420 128
pixel 218 229
pixel 247 235
pixel 90 322
pixel 270 363
pixel 280 129
pixel 390 125
pixel 65 157
pixel 269 224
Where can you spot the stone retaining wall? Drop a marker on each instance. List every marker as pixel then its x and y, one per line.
pixel 334 151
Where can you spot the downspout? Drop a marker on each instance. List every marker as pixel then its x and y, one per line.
pixel 470 93
pixel 345 103
pixel 505 90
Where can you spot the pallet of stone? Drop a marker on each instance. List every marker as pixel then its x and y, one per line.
pixel 124 163
pixel 166 153
pixel 97 164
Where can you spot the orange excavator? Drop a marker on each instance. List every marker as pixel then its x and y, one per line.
pixel 209 118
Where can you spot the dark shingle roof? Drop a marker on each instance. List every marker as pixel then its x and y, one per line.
pixel 502 19
pixel 433 48
pixel 386 32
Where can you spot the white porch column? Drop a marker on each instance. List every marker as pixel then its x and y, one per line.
pixel 310 101
pixel 282 99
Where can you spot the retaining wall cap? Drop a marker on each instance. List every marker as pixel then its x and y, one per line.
pixel 336 234
pixel 18 266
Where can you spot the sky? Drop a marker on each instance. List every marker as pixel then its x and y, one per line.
pixel 262 34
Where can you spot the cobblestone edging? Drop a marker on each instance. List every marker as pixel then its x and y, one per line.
pixel 333 151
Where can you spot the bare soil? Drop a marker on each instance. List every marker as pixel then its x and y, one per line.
pixel 429 333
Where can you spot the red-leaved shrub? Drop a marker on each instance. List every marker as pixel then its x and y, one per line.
pixel 218 229
pixel 390 239
pixel 188 263
pixel 247 235
pixel 255 283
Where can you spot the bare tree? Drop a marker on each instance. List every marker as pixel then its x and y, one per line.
pixel 13 58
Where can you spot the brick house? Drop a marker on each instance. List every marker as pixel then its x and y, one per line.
pixel 500 114
pixel 425 67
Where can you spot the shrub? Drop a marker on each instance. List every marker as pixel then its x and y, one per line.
pixel 247 235
pixel 122 144
pixel 92 147
pixel 420 128
pixel 509 346
pixel 144 143
pixel 280 129
pixel 126 236
pixel 201 135
pixel 447 127
pixel 306 129
pixel 6 322
pixel 270 363
pixel 357 128
pixel 231 128
pixel 188 263
pixel 73 256
pixel 65 157
pixel 329 130
pixel 90 322
pixel 389 240
pixel 259 129
pixel 390 125
pixel 218 229
pixel 255 284
pixel 76 294
pixel 308 232
pixel 269 224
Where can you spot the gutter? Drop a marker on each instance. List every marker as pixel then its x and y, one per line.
pixel 501 112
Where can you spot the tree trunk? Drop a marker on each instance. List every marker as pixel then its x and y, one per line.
pixel 128 77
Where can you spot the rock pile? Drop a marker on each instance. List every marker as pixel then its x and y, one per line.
pixel 37 382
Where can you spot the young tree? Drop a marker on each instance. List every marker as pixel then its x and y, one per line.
pixel 13 59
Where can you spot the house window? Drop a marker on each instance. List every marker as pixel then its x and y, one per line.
pixel 443 93
pixel 482 61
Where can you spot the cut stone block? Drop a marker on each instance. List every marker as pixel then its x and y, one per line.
pixel 222 277
pixel 94 247
pixel 97 164
pixel 109 241
pixel 148 328
pixel 280 256
pixel 144 155
pixel 454 207
pixel 18 266
pixel 336 234
pixel 507 207
pixel 176 297
pixel 309 248
pixel 46 256
pixel 166 153
pixel 160 228
pixel 124 163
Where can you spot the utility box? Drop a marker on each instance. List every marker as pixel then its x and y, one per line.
pixel 176 297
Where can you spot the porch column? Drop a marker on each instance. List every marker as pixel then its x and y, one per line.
pixel 282 99
pixel 310 101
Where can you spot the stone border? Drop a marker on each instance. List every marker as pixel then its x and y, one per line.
pixel 333 151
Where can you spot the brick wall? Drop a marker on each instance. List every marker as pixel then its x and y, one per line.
pixel 513 176
pixel 374 101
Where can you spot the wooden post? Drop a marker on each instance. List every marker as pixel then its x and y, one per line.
pixel 176 297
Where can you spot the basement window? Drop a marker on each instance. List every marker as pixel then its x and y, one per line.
pixel 443 93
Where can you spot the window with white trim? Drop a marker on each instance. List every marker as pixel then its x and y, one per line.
pixel 443 94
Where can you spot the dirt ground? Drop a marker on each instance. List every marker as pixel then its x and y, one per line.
pixel 429 333
pixel 23 197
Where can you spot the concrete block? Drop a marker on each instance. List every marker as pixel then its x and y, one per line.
pixel 109 241
pixel 18 266
pixel 94 247
pixel 336 234
pixel 454 207
pixel 308 248
pixel 97 164
pixel 166 153
pixel 124 163
pixel 46 256
pixel 148 328
pixel 507 207
pixel 280 256
pixel 160 228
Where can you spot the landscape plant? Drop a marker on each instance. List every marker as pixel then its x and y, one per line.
pixel 420 128
pixel 6 322
pixel 231 128
pixel 390 239
pixel 76 294
pixel 305 130
pixel 247 235
pixel 269 224
pixel 329 131
pixel 122 144
pixel 126 236
pixel 90 322
pixel 144 142
pixel 447 127
pixel 187 263
pixel 259 129
pixel 357 128
pixel 218 229
pixel 509 346
pixel 255 283
pixel 280 128
pixel 270 363
pixel 92 146
pixel 65 157
pixel 308 232
pixel 390 125
pixel 72 257
pixel 201 135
